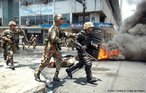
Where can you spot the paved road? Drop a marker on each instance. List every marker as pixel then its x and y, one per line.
pixel 113 76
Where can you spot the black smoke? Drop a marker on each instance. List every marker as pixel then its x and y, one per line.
pixel 132 38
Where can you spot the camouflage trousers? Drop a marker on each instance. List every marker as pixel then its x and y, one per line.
pixel 46 57
pixel 8 56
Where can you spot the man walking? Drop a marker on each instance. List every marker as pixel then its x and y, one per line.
pixel 52 48
pixel 84 47
pixel 10 39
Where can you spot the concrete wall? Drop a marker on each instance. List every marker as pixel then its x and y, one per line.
pixel 108 12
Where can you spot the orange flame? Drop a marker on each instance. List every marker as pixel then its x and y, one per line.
pixel 103 54
pixel 108 54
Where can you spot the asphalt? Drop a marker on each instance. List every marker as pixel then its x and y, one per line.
pixel 21 80
pixel 113 77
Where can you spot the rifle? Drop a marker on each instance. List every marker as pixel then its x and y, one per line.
pixel 82 47
pixel 23 34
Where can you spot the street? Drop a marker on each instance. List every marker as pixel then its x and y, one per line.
pixel 113 76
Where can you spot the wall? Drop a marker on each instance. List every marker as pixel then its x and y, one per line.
pixel 1 9
pixel 108 12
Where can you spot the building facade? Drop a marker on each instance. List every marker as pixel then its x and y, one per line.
pixel 104 13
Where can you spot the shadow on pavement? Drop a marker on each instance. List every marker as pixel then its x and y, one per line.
pixel 32 66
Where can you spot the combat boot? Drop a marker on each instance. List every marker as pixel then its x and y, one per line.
pixel 91 79
pixel 69 73
pixel 12 67
pixel 37 75
pixel 7 62
pixel 55 78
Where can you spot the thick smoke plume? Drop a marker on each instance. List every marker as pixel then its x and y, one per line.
pixel 132 38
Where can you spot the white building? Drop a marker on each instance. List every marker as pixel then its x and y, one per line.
pixel 36 12
pixel 104 13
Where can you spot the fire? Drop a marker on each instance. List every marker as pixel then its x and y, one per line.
pixel 103 54
pixel 108 54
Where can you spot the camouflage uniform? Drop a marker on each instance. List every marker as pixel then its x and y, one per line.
pixel 33 41
pixel 52 48
pixel 10 39
pixel 11 47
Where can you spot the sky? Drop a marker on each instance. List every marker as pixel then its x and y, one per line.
pixel 128 7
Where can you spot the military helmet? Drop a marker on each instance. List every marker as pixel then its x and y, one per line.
pixel 87 25
pixel 57 17
pixel 12 23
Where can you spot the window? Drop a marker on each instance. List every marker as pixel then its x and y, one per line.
pixel 26 2
pixel 50 19
pixel 38 20
pixel 23 20
pixel 45 19
pixel 66 18
pixel 31 20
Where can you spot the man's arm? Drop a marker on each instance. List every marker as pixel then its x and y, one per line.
pixel 22 33
pixel 6 37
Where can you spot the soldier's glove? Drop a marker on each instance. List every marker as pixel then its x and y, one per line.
pixel 95 45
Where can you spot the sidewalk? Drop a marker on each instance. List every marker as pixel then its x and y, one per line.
pixel 20 80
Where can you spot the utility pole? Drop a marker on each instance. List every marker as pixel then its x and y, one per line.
pixel 83 2
pixel 84 8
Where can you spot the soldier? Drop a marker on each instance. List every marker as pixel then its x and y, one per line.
pixel 70 43
pixel 30 40
pixel 33 41
pixel 83 43
pixel 52 48
pixel 10 39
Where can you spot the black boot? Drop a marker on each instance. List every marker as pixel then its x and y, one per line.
pixel 69 72
pixel 90 79
pixel 55 78
pixel 7 62
pixel 37 75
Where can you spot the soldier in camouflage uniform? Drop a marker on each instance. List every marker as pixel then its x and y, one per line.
pixel 33 41
pixel 52 48
pixel 10 39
